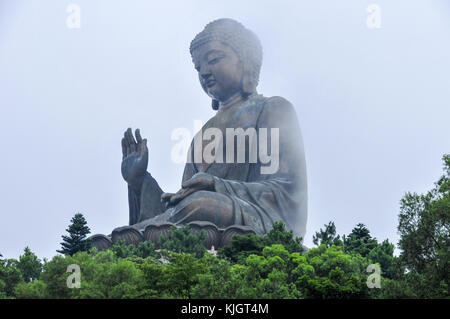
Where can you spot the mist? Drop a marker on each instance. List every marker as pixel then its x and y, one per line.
pixel 372 103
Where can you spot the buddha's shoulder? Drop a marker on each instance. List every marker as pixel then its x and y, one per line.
pixel 264 106
pixel 269 102
pixel 277 104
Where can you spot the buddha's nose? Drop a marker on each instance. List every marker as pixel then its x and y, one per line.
pixel 205 73
pixel 206 76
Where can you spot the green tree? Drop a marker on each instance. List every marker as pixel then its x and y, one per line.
pixel 119 279
pixel 383 254
pixel 154 282
pixel 243 246
pixel 217 280
pixel 76 241
pixel 359 241
pixel 334 274
pixel 103 275
pixel 2 289
pixel 143 250
pixel 181 274
pixel 276 273
pixel 10 277
pixel 271 273
pixel 279 235
pixel 29 265
pixel 183 240
pixel 2 283
pixel 424 227
pixel 55 275
pixel 260 276
pixel 31 290
pixel 327 236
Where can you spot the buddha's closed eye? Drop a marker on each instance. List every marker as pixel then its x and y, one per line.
pixel 215 60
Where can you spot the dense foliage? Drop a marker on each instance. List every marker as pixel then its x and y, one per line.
pixel 273 266
pixel 183 240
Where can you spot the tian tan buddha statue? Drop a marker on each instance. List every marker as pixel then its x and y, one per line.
pixel 245 168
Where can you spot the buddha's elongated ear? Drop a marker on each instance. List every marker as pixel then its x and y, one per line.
pixel 215 105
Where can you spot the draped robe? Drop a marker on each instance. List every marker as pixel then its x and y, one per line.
pixel 254 199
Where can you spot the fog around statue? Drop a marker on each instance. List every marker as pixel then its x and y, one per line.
pixel 245 168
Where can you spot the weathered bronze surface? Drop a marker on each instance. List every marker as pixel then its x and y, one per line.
pixel 222 198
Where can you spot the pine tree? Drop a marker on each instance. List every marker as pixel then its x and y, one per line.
pixel 327 236
pixel 30 265
pixel 279 234
pixel 76 241
pixel 360 241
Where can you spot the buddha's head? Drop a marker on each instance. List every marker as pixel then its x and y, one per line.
pixel 228 59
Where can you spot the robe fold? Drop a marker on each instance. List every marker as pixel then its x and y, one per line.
pixel 256 198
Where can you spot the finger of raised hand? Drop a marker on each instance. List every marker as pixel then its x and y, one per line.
pixel 131 141
pixel 138 136
pixel 127 142
pixel 124 147
pixel 130 134
pixel 143 146
pixel 127 138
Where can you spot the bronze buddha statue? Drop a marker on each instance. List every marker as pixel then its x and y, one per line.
pixel 243 193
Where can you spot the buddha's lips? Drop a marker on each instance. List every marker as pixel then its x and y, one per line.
pixel 210 83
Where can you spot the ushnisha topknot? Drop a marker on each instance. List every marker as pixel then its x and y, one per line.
pixel 243 41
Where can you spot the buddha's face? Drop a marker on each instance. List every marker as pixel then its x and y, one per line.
pixel 219 70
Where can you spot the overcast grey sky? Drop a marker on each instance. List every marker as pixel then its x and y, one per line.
pixel 373 104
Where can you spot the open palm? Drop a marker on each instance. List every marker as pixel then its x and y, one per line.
pixel 134 157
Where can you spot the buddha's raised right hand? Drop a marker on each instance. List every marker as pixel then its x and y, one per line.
pixel 135 158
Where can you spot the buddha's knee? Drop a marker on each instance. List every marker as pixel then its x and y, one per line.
pixel 206 206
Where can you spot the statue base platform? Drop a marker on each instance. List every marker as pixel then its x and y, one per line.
pixel 215 237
